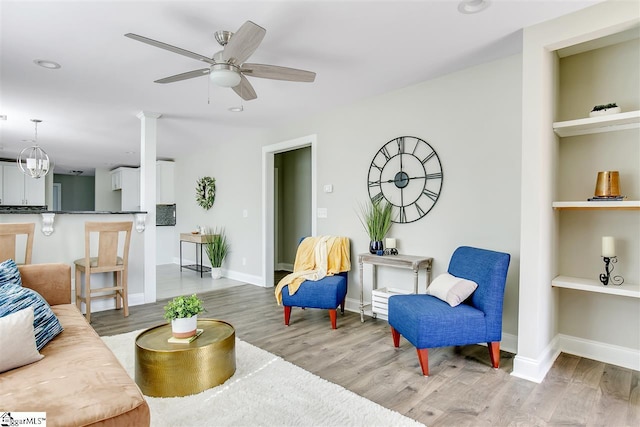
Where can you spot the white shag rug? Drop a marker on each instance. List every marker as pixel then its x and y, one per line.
pixel 265 390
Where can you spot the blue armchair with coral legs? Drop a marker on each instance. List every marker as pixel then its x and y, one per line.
pixel 428 322
pixel 328 253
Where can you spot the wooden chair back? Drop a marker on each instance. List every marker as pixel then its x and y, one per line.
pixel 108 258
pixel 8 234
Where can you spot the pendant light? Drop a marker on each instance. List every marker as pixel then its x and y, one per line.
pixel 33 161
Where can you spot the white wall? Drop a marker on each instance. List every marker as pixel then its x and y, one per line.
pixel 471 118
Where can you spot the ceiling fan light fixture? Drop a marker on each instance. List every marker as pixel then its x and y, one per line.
pixel 225 75
pixel 473 6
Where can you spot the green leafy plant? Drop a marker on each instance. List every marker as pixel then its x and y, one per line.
pixel 375 217
pixel 182 307
pixel 604 106
pixel 217 247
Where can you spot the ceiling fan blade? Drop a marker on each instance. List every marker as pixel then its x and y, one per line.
pixel 277 73
pixel 245 90
pixel 170 48
pixel 243 43
pixel 185 76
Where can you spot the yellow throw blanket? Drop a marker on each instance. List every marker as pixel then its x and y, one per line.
pixel 316 258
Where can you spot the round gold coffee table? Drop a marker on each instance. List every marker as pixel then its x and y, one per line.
pixel 165 369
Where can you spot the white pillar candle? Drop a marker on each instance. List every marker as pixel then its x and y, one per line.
pixel 390 243
pixel 608 247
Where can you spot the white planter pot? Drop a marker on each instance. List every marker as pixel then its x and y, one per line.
pixel 184 327
pixel 216 273
pixel 605 112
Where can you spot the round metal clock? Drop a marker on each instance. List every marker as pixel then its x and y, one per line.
pixel 407 173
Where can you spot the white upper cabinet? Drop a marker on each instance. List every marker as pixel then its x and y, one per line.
pixel 19 189
pixel 127 180
pixel 165 183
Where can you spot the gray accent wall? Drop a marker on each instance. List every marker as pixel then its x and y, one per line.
pixel 78 192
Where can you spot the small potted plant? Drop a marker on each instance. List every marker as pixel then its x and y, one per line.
pixel 183 313
pixel 217 248
pixel 375 217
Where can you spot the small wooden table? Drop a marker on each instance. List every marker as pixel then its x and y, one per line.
pixel 198 239
pixel 164 369
pixel 412 262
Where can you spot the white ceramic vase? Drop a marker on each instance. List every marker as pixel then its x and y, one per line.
pixel 184 327
pixel 216 273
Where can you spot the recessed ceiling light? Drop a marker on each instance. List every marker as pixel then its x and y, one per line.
pixel 3 117
pixel 129 152
pixel 237 109
pixel 473 6
pixel 47 64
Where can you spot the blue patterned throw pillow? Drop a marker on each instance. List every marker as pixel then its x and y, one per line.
pixel 9 273
pixel 14 298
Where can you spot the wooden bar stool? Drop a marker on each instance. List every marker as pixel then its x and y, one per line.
pixel 8 233
pixel 112 236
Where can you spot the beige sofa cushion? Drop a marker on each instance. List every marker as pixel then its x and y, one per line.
pixel 79 381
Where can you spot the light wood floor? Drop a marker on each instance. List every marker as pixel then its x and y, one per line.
pixel 463 390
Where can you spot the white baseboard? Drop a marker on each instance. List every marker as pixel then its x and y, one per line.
pixel 602 352
pixel 536 369
pixel 243 277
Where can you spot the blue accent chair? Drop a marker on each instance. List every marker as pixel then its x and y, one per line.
pixel 428 322
pixel 326 293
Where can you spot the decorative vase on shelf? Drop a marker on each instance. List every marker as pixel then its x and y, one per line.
pixel 375 246
pixel 216 273
pixel 184 327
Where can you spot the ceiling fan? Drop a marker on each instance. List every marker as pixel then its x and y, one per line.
pixel 227 67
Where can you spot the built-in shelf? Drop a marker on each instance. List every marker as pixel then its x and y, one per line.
pixel 585 205
pixel 609 123
pixel 580 284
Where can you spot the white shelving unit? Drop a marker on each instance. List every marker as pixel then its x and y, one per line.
pixel 580 284
pixel 599 124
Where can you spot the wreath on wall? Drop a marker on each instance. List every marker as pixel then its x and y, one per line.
pixel 206 192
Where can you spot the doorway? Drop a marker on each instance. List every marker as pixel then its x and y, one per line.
pixel 57 197
pixel 292 206
pixel 271 200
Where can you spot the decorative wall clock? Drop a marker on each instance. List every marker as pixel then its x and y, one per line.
pixel 407 173
pixel 206 192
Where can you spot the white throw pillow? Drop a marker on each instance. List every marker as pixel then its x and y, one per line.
pixel 451 289
pixel 17 340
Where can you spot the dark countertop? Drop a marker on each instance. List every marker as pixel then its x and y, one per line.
pixel 43 209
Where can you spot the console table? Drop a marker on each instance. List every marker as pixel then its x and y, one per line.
pixel 198 239
pixel 415 263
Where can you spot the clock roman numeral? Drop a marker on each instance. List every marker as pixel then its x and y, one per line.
pixel 385 153
pixel 373 164
pixel 433 153
pixel 437 175
pixel 375 183
pixel 430 194
pixel 400 142
pixel 377 198
pixel 403 214
pixel 419 209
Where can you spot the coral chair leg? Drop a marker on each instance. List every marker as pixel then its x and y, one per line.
pixel 287 314
pixel 396 337
pixel 333 314
pixel 423 357
pixel 494 353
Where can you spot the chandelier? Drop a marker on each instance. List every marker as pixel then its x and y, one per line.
pixel 33 161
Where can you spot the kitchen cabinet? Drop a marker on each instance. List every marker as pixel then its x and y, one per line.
pixel 17 189
pixel 127 181
pixel 165 184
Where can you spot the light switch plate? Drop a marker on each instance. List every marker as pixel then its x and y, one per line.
pixel 322 212
pixel 328 188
